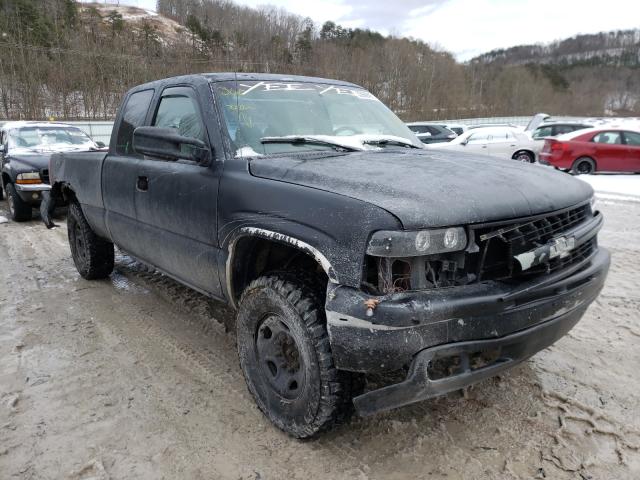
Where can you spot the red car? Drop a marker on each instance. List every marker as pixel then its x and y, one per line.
pixel 594 150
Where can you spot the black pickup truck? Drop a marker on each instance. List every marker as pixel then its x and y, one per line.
pixel 345 247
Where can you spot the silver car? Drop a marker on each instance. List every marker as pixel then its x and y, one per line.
pixel 502 142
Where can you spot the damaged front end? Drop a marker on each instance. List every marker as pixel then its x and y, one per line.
pixel 477 299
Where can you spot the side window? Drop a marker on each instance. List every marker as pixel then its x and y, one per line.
pixel 181 112
pixel 479 138
pixel 134 113
pixel 498 137
pixel 608 137
pixel 418 129
pixel 542 132
pixel 560 129
pixel 632 138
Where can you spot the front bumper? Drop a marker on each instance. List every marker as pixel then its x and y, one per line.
pixel 413 328
pixel 32 193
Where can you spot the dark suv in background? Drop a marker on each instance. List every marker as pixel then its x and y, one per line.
pixel 429 133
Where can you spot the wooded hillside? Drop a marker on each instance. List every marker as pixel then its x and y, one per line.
pixel 69 60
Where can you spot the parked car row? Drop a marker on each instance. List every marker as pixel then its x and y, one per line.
pixel 575 147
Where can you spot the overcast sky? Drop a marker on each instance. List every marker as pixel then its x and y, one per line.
pixel 465 27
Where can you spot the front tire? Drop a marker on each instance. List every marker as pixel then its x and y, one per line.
pixel 93 256
pixel 19 210
pixel 583 166
pixel 286 358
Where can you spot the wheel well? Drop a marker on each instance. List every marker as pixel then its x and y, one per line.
pixel 63 194
pixel 5 179
pixel 255 256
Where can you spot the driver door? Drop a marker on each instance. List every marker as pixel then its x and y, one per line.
pixel 176 201
pixel 478 143
pixel 632 140
pixel 502 144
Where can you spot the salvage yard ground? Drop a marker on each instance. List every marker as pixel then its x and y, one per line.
pixel 131 378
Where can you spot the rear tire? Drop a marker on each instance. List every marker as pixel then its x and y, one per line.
pixel 92 255
pixel 286 358
pixel 20 210
pixel 524 157
pixel 583 166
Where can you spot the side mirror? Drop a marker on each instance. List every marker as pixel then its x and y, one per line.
pixel 167 143
pixel 464 142
pixel 100 144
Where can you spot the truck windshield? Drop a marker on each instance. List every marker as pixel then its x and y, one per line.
pixel 265 117
pixel 49 138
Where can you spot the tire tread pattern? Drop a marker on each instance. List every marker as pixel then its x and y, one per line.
pixel 99 257
pixel 304 292
pixel 22 211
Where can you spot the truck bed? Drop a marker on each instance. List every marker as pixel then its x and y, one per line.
pixel 82 172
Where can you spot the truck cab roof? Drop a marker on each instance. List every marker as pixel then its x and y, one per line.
pixel 241 76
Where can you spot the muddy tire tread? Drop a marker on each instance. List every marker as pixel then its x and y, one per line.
pixel 303 291
pixel 22 211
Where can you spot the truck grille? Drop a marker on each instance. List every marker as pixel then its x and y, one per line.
pixel 499 243
pixel 494 258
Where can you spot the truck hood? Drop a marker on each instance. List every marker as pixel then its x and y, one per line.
pixel 431 188
pixel 29 162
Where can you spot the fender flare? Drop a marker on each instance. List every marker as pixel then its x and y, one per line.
pixel 244 232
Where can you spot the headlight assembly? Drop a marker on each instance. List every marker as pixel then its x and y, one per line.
pixel 28 178
pixel 387 243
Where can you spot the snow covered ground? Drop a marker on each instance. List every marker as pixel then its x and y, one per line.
pixel 615 187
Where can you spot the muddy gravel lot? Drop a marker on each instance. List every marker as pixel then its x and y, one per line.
pixel 136 377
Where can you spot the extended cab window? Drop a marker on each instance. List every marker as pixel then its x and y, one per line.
pixel 134 113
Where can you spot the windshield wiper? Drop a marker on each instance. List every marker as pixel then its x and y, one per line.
pixel 307 140
pixel 389 141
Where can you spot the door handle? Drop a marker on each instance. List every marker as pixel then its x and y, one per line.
pixel 142 185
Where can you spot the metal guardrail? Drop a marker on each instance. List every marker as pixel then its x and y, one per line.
pixel 519 121
pixel 99 131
